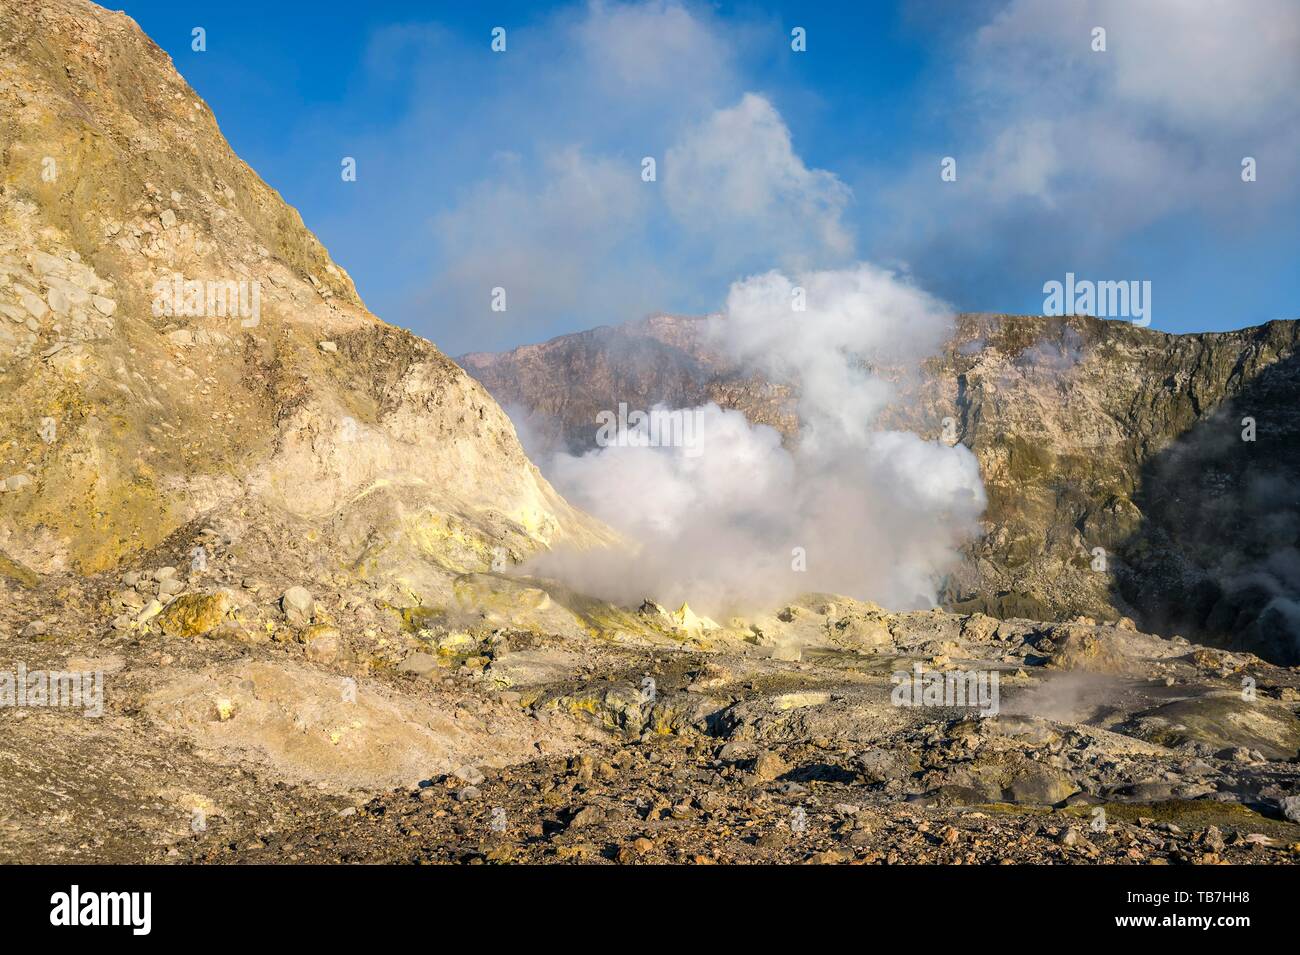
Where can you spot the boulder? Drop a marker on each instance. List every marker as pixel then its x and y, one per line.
pixel 298 606
pixel 419 664
pixel 195 614
pixel 324 643
pixel 769 766
pixel 1041 785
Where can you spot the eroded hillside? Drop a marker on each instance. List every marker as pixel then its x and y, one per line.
pixel 175 343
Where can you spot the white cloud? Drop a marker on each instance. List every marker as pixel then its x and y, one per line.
pixel 1066 156
pixel 1194 66
pixel 735 179
pixel 1023 161
pixel 1155 123
pixel 653 49
pixel 568 226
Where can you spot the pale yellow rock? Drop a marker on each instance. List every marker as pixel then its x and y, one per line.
pixel 151 610
pixel 686 619
pixel 795 701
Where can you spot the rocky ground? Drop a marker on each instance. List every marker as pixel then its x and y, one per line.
pixel 667 802
pixel 250 718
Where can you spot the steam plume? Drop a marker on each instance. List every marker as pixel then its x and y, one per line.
pixel 740 521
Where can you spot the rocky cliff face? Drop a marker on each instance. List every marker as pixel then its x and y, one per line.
pixel 1118 479
pixel 558 387
pixel 175 345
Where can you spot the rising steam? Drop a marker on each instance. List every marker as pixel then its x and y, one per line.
pixel 739 521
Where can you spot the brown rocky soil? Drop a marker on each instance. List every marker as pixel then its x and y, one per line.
pixel 364 733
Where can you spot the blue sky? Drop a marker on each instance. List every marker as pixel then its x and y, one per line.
pixel 522 169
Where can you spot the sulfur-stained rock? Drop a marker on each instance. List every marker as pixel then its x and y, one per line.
pixel 859 630
pixel 1078 647
pixel 152 609
pixel 194 615
pixel 979 627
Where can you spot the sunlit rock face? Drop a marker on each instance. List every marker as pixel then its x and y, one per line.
pixel 176 346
